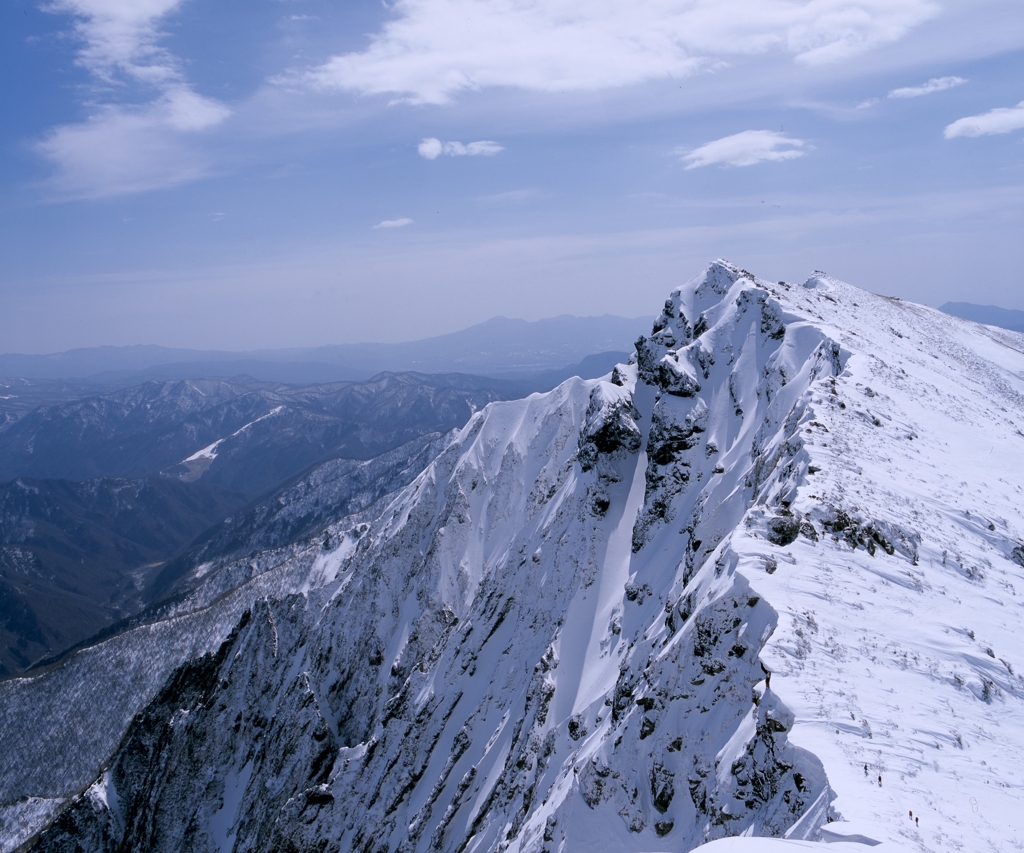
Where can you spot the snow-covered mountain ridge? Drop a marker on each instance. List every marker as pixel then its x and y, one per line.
pixel 760 581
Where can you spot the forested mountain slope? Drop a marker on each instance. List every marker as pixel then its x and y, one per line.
pixel 241 435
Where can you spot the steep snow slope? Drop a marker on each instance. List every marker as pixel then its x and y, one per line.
pixel 759 582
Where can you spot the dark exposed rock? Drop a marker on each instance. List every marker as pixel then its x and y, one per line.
pixel 807 529
pixel 670 372
pixel 577 728
pixel 662 788
pixel 783 530
pixel 872 535
pixel 610 427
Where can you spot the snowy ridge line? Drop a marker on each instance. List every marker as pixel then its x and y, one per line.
pixel 758 582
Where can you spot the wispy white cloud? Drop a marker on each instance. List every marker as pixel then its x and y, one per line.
pixel 432 148
pixel 745 149
pixel 936 84
pixel 999 120
pixel 394 223
pixel 122 37
pixel 434 49
pixel 124 148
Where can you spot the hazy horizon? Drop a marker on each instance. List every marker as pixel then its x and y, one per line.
pixel 309 349
pixel 304 173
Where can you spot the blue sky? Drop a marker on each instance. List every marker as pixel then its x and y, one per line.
pixel 300 172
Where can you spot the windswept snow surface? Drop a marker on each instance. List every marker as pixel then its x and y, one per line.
pixel 758 585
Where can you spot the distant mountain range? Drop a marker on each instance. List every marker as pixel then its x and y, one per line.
pixel 242 435
pixel 500 347
pixel 1006 318
pixel 105 489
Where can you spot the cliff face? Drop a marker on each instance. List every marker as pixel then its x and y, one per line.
pixel 715 594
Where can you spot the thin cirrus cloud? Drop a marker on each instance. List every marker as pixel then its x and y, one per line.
pixel 431 148
pixel 999 120
pixel 936 84
pixel 745 149
pixel 121 37
pixel 431 50
pixel 123 148
pixel 394 223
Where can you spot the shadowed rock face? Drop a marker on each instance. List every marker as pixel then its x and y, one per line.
pixel 620 614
